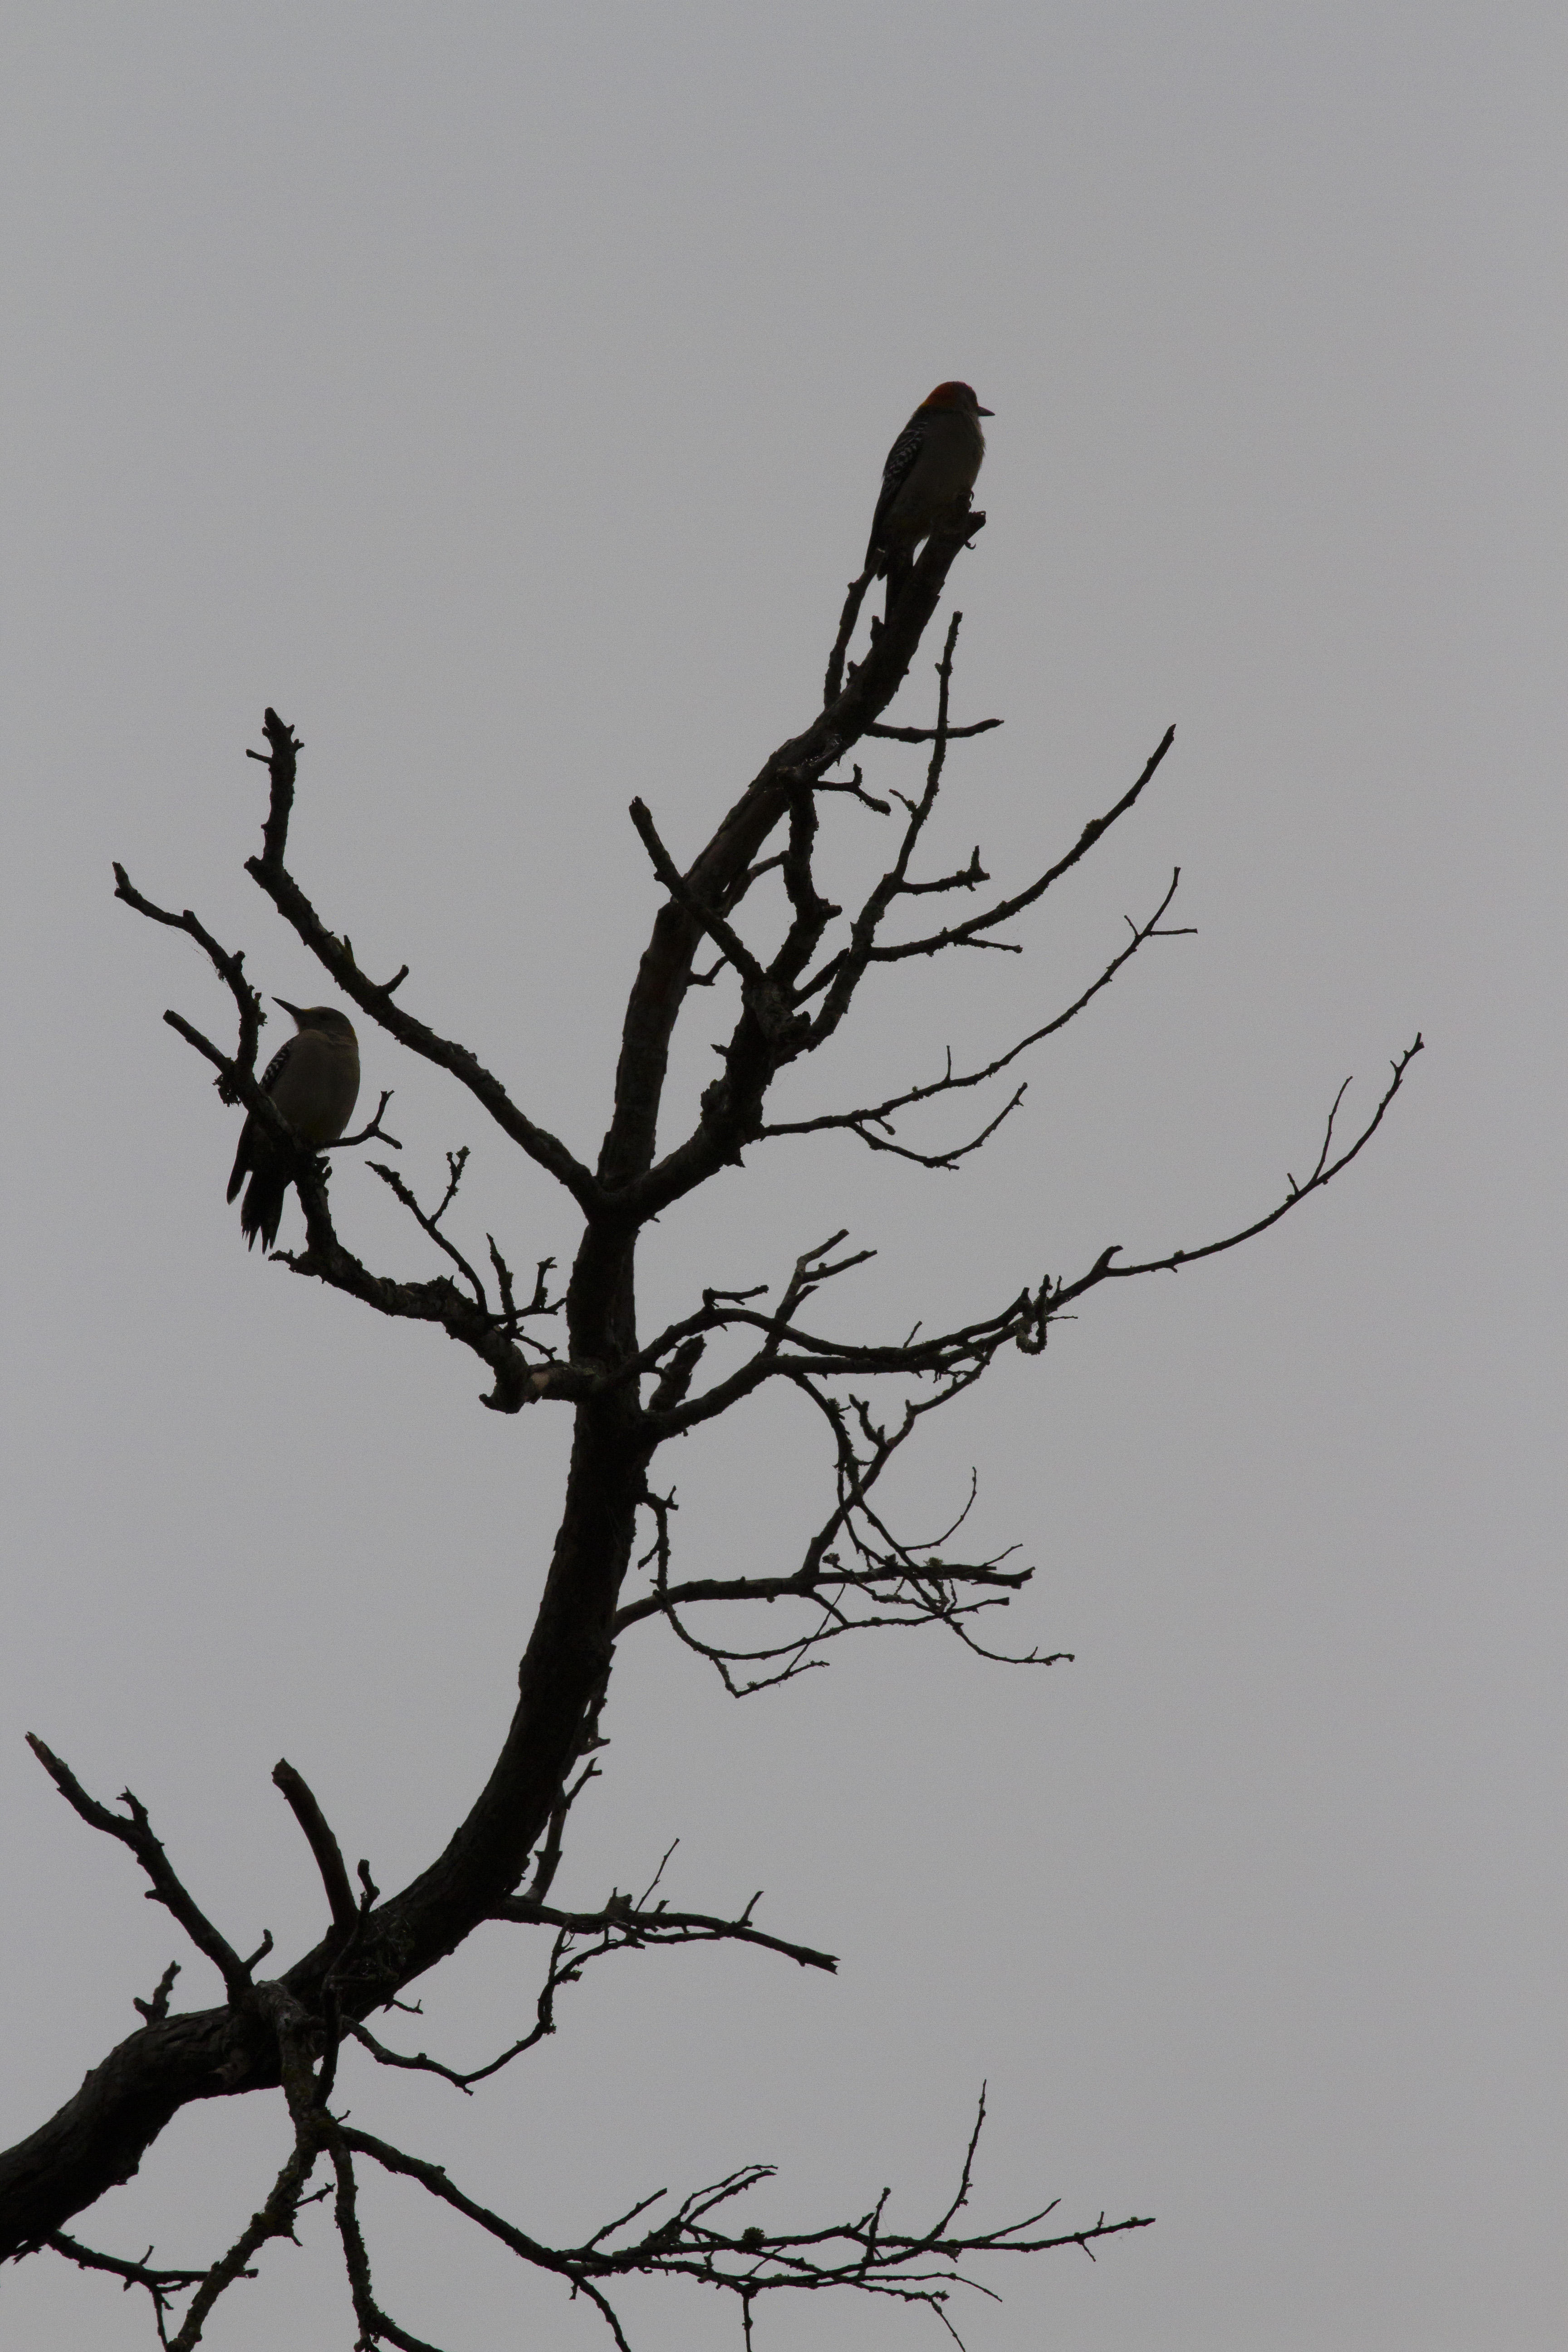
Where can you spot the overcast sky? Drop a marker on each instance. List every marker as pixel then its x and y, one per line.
pixel 500 392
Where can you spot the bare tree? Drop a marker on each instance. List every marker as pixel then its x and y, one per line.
pixel 581 1348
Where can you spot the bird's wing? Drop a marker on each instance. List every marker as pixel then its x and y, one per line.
pixel 243 1156
pixel 896 472
pixel 274 1070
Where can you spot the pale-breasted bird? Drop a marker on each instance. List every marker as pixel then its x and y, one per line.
pixel 314 1082
pixel 933 461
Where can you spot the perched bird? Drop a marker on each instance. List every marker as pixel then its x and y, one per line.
pixel 314 1082
pixel 933 461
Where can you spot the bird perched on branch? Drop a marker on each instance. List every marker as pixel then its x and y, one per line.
pixel 314 1081
pixel 933 461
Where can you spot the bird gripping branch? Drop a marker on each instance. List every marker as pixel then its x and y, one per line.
pixel 933 462
pixel 314 1080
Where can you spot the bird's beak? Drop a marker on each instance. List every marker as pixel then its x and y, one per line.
pixel 294 1009
pixel 983 411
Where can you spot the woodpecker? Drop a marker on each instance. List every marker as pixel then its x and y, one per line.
pixel 933 461
pixel 314 1082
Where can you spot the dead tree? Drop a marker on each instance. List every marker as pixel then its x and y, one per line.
pixel 582 1349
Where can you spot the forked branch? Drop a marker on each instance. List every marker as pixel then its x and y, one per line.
pixel 133 1829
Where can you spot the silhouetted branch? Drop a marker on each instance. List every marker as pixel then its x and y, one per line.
pixel 337 955
pixel 133 1829
pixel 1323 1172
pixel 160 2284
pixel 281 760
pixel 373 1132
pixel 637 1928
pixel 547 1861
pixel 456 1163
pixel 275 2219
pixel 967 933
pixel 376 2327
pixel 323 1844
pixel 854 596
pixel 863 1121
pixel 843 971
pixel 928 734
pixel 230 968
pixel 581 1938
pixel 157 2008
pixel 731 946
pixel 860 2255
pixel 626 1162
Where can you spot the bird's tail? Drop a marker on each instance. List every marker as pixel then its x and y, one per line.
pixel 261 1210
pixel 896 568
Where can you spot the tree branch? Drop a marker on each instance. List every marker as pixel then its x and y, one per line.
pixel 659 1927
pixel 581 1938
pixel 861 2255
pixel 1323 1173
pixel 160 2284
pixel 731 946
pixel 546 1150
pixel 133 1829
pixel 928 734
pixel 322 1845
pixel 230 968
pixel 968 933
pixel 664 974
pixel 456 1163
pixel 862 1121
pixel 337 956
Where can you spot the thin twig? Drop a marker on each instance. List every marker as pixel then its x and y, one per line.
pixel 455 1161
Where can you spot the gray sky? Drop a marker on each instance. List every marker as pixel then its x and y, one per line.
pixel 500 392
